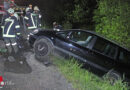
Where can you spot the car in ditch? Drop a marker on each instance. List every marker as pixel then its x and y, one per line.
pixel 93 50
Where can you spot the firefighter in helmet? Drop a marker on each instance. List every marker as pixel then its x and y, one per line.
pixel 11 26
pixel 29 19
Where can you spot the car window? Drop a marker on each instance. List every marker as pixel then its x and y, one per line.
pixel 81 38
pixel 124 56
pixel 105 48
pixel 62 34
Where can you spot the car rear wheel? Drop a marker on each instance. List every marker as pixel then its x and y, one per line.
pixel 42 49
pixel 112 76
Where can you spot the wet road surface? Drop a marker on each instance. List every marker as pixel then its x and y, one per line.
pixel 31 75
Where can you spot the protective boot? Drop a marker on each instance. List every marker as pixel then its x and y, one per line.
pixel 20 57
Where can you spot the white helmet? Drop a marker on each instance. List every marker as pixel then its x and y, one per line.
pixel 36 8
pixel 10 11
pixel 27 9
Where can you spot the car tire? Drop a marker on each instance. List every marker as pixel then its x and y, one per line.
pixel 113 76
pixel 42 48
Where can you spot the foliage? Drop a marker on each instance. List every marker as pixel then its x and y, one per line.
pixel 67 25
pixel 81 79
pixel 79 13
pixel 112 20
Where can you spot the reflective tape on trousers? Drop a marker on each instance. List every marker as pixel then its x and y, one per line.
pixel 8 44
pixel 13 44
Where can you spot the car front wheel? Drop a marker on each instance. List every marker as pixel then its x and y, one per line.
pixel 42 48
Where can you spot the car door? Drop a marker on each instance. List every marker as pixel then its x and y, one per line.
pixel 62 44
pixel 81 43
pixel 89 48
pixel 68 42
pixel 77 44
pixel 82 46
pixel 105 54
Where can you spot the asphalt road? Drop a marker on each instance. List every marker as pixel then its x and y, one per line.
pixel 31 75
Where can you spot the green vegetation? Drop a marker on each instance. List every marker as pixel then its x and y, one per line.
pixel 112 20
pixel 78 14
pixel 82 79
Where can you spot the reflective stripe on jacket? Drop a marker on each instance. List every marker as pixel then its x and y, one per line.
pixel 29 17
pixel 37 19
pixel 11 27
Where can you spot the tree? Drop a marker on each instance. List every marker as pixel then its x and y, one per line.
pixel 112 20
pixel 79 13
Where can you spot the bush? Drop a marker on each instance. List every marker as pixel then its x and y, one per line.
pixel 112 20
pixel 67 25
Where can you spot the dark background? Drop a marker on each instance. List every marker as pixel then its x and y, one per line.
pixel 53 10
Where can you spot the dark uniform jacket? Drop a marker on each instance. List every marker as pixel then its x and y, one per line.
pixel 11 27
pixel 30 20
pixel 33 20
pixel 37 19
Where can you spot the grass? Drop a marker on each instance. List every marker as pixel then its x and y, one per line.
pixel 81 79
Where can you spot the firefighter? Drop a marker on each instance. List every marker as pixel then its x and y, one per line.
pixel 56 27
pixel 29 19
pixel 37 17
pixel 11 26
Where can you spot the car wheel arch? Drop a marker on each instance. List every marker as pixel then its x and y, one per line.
pixel 40 37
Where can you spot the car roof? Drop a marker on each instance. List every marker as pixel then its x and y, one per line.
pixel 92 32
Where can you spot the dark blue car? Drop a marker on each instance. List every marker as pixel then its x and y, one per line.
pixel 93 50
